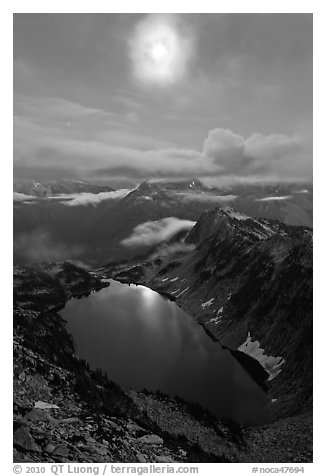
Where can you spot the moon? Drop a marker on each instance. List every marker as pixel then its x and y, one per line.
pixel 160 50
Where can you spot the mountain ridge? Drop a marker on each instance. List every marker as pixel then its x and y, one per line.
pixel 249 283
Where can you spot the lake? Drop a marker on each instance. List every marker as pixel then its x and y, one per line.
pixel 142 340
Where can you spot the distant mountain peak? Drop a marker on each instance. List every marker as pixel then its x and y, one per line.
pixel 59 187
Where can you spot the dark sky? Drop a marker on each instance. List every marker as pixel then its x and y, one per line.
pixel 104 95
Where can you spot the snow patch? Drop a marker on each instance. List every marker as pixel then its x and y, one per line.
pixel 186 289
pixel 268 230
pixel 260 236
pixel 207 303
pixel 44 405
pixel 238 216
pixel 218 316
pixel 271 364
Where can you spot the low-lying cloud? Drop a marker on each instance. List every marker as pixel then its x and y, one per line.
pixel 83 199
pixel 154 232
pixel 40 246
pixel 273 199
pixel 76 199
pixel 166 250
pixel 21 197
pixel 205 197
pixel 303 191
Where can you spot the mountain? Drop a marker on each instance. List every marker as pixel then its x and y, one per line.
pixel 290 203
pixel 53 188
pixel 94 230
pixel 248 281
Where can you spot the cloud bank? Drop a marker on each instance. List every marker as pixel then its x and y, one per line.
pixel 262 154
pixel 83 199
pixel 42 144
pixel 273 199
pixel 21 197
pixel 166 250
pixel 205 197
pixel 153 232
pixel 40 246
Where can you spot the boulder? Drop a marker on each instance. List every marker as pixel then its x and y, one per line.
pixel 36 414
pixel 150 440
pixel 135 429
pixel 49 448
pixel 141 458
pixel 61 450
pixel 164 459
pixel 44 405
pixel 24 439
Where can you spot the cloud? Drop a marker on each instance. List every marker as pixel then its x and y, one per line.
pixel 275 146
pixel 304 191
pixel 276 154
pixel 21 197
pixel 77 199
pixel 39 246
pixel 204 197
pixel 53 134
pixel 166 249
pixel 44 141
pixel 153 232
pixel 224 148
pixel 271 199
pixel 93 198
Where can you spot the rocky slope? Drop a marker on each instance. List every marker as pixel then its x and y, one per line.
pixel 53 188
pixel 290 203
pixel 94 232
pixel 249 283
pixel 64 411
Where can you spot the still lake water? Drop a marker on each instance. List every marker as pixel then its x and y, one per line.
pixel 143 340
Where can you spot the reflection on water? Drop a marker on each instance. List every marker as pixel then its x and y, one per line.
pixel 145 341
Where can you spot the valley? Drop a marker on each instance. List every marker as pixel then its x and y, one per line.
pixel 92 227
pixel 163 213
pixel 247 281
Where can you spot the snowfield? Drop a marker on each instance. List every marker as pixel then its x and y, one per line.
pixel 271 364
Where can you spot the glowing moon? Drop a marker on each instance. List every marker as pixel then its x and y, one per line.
pixel 160 50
